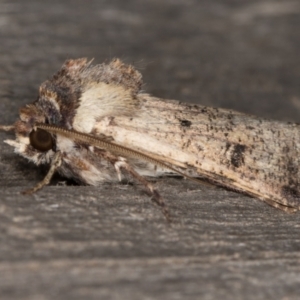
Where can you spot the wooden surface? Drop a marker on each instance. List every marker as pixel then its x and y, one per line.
pixel 110 242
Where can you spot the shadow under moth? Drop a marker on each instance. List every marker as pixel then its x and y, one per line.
pixel 93 123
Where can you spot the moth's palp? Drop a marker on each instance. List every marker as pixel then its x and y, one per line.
pixel 7 127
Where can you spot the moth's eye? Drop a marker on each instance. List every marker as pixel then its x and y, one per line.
pixel 41 140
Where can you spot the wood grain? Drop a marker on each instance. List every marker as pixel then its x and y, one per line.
pixel 110 242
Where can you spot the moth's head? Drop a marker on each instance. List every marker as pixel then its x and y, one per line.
pixel 35 144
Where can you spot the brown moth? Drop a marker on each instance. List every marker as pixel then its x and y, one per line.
pixel 93 123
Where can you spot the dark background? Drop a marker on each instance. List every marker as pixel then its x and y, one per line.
pixel 110 242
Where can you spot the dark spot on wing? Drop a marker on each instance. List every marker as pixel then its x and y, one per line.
pixel 292 195
pixel 237 155
pixel 185 123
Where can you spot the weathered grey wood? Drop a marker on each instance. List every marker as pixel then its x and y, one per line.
pixel 110 242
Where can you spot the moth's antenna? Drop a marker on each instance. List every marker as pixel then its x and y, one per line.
pixel 7 127
pixel 110 146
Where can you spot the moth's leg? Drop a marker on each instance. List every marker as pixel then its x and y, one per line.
pixel 154 193
pixel 56 162
pixel 119 174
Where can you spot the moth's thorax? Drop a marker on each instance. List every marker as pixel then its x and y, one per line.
pixel 114 99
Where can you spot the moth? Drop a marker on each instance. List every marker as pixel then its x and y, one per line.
pixel 94 123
